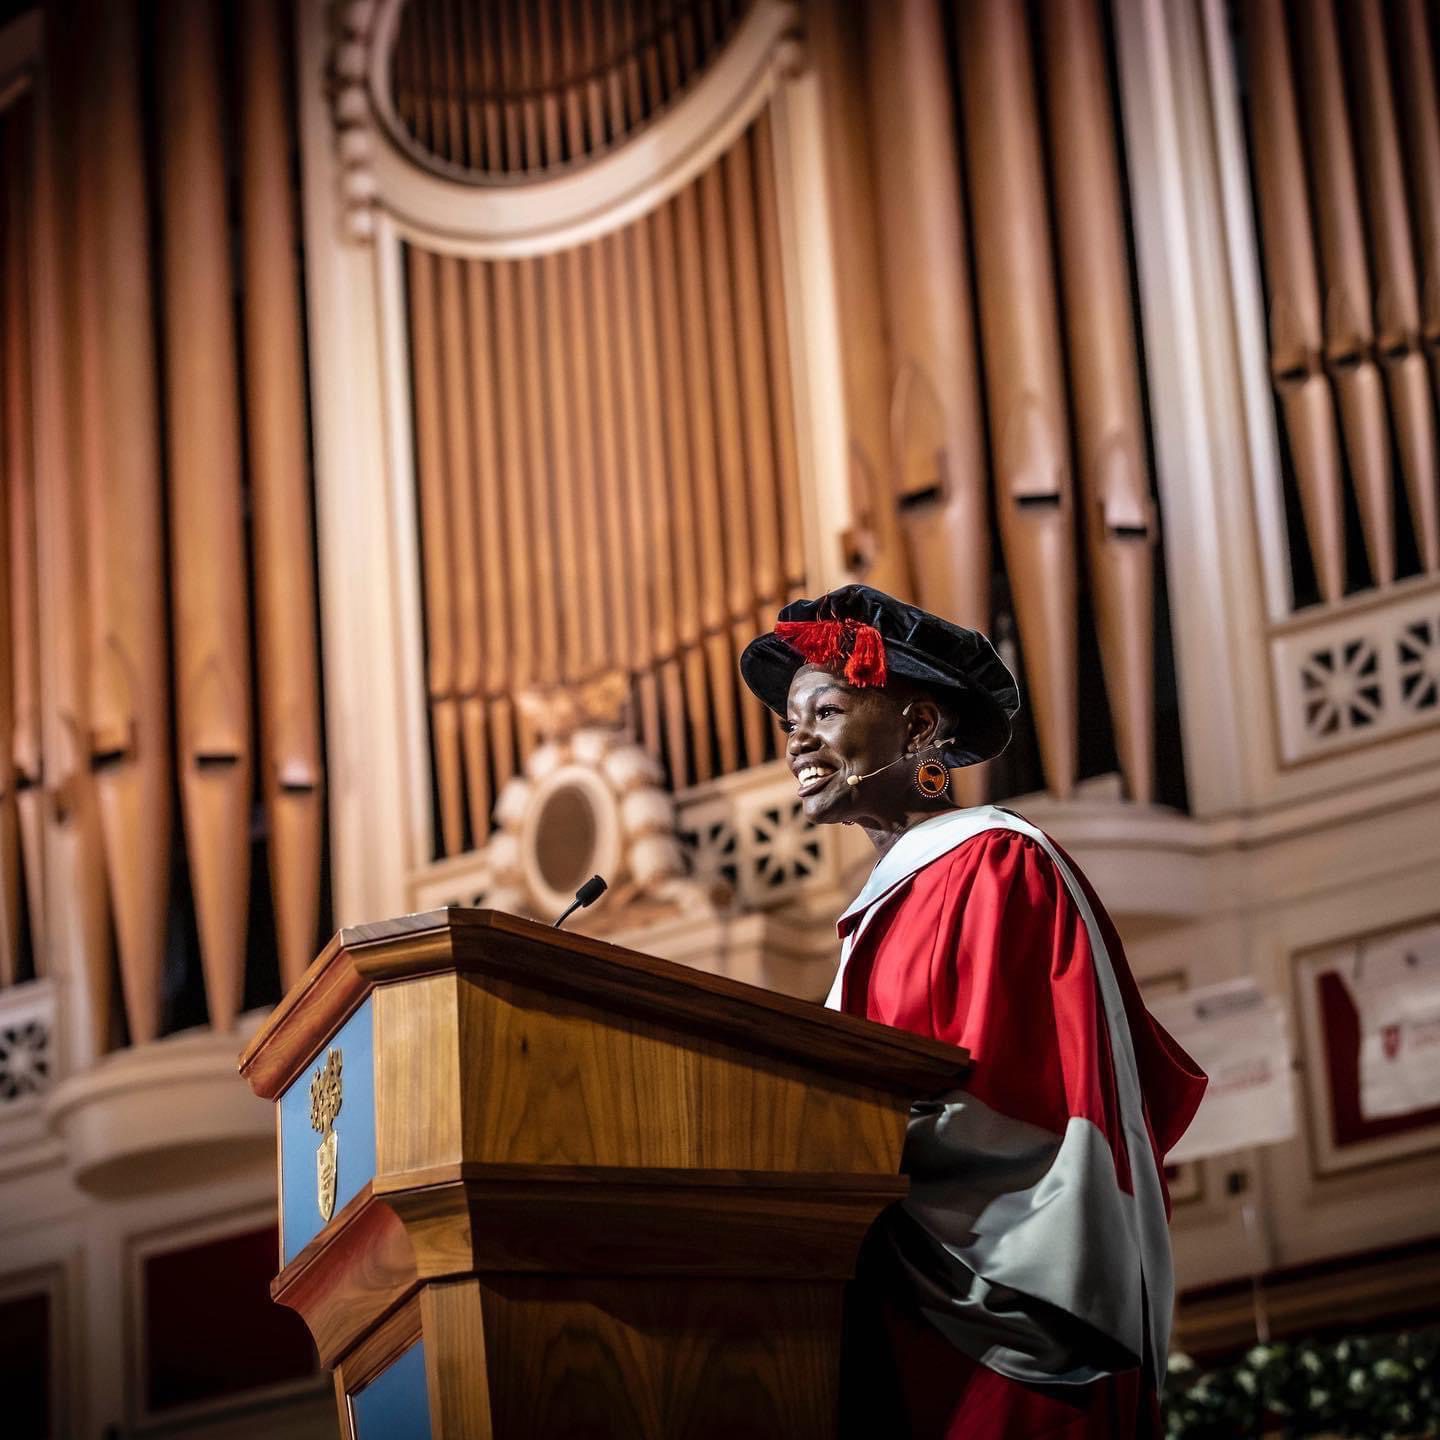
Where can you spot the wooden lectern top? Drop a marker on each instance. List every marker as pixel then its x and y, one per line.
pixel 494 943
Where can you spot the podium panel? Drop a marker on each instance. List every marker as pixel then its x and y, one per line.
pixel 534 1185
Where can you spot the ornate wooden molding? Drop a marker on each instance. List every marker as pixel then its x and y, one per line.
pixel 380 164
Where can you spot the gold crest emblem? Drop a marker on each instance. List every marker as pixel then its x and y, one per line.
pixel 324 1107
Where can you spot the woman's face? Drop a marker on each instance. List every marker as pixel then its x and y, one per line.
pixel 837 730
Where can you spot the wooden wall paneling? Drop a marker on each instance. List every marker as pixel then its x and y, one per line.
pixel 207 527
pixel 490 519
pixel 1119 515
pixel 787 460
pixel 437 537
pixel 1397 291
pixel 119 420
pixel 633 540
pixel 20 554
pixel 660 226
pixel 705 478
pixel 937 452
pixel 285 603
pixel 518 542
pixel 78 933
pixel 874 546
pixel 740 597
pixel 1296 333
pixel 1348 320
pixel 1420 102
pixel 460 509
pixel 1020 325
pixel 660 520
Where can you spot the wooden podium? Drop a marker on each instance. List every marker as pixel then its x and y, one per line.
pixel 533 1185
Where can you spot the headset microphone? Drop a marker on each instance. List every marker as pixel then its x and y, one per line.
pixel 853 780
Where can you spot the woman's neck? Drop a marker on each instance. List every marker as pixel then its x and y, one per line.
pixel 884 833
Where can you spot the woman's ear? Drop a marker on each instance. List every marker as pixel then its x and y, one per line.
pixel 922 717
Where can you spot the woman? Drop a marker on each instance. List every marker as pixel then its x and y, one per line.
pixel 1024 1288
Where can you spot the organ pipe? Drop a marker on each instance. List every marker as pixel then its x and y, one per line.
pixel 24 756
pixel 1397 296
pixel 1349 324
pixel 285 602
pixel 1020 326
pixel 81 937
pixel 460 520
pixel 937 459
pixel 207 527
pixel 1118 514
pixel 129 738
pixel 1296 335
pixel 437 539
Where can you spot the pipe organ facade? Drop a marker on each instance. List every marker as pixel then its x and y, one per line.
pixel 410 408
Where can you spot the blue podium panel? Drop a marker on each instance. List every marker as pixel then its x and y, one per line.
pixel 354 1129
pixel 395 1405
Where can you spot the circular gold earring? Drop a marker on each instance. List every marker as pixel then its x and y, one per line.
pixel 932 779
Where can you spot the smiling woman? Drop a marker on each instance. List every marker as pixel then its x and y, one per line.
pixel 1025 1286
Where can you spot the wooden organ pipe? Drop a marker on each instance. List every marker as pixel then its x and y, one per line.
pixel 874 545
pixel 1349 326
pixel 766 585
pixel 1020 325
pixel 706 483
pixel 740 599
pixel 11 866
pixel 23 758
pixel 631 536
pixel 1420 98
pixel 285 605
pixel 464 554
pixel 207 527
pixel 1296 333
pixel 657 507
pixel 792 529
pixel 937 458
pixel 619 599
pixel 129 709
pixel 436 540
pixel 518 537
pixel 1118 514
pixel 680 450
pixel 1397 291
pixel 74 851
pixel 574 664
pixel 496 641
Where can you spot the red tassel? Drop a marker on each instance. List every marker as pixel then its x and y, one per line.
pixel 823 642
pixel 866 665
pixel 817 640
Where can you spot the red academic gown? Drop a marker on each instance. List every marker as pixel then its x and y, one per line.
pixel 999 945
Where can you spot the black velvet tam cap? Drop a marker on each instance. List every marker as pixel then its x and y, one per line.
pixel 867 637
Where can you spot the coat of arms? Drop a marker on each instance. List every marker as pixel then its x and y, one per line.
pixel 324 1107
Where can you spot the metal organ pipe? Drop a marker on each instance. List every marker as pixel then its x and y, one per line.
pixel 206 519
pixel 1118 513
pixel 1020 326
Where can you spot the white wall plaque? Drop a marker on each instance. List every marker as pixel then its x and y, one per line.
pixel 1238 1035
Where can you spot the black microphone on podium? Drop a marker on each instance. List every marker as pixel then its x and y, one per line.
pixel 585 896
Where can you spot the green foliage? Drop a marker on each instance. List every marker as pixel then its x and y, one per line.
pixel 1380 1387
